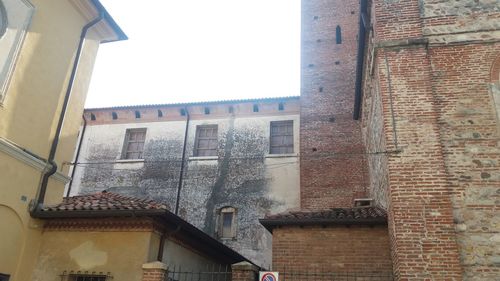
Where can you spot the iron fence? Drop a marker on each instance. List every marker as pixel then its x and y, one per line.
pixel 211 273
pixel 334 276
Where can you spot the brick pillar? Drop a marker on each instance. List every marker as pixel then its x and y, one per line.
pixel 244 271
pixel 154 271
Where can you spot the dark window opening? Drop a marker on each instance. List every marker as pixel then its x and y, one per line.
pixel 227 225
pixel 183 112
pixel 114 115
pixel 231 109
pixel 137 114
pixel 281 106
pixel 338 35
pixel 160 113
pixel 92 116
pixel 207 110
pixel 255 108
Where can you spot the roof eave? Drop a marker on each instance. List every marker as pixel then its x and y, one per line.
pixel 270 224
pixel 120 34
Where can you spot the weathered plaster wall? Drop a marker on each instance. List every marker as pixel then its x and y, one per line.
pixel 122 253
pixel 243 175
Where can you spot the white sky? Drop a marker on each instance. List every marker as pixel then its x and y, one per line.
pixel 198 50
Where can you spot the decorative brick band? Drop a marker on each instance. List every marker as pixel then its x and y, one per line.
pixel 105 224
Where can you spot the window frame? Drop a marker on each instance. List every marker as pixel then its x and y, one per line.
pixel 287 146
pixel 227 210
pixel 196 150
pixel 126 143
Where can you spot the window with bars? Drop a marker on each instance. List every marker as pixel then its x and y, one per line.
pixel 134 144
pixel 206 141
pixel 281 137
pixel 227 226
pixel 88 277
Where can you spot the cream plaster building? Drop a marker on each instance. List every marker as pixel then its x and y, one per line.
pixel 47 52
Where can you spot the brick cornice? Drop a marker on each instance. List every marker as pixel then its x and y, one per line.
pixel 104 224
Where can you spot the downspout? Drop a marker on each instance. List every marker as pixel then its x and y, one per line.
pixel 363 23
pixel 181 174
pixel 38 203
pixel 75 163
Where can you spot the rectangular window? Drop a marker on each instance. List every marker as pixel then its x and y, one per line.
pixel 134 144
pixel 281 137
pixel 227 220
pixel 206 141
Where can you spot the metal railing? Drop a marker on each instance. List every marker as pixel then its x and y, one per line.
pixel 210 273
pixel 335 276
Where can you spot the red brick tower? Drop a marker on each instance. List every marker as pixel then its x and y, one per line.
pixel 333 165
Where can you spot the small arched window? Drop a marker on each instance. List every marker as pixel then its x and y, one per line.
pixel 207 110
pixel 92 117
pixel 160 113
pixel 255 108
pixel 281 106
pixel 231 109
pixel 137 114
pixel 183 112
pixel 114 115
pixel 338 34
pixel 227 222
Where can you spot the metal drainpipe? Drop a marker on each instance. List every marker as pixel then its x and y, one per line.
pixel 178 198
pixel 38 203
pixel 77 154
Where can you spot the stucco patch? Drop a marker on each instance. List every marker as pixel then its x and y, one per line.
pixel 88 256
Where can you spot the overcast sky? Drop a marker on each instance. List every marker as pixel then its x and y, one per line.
pixel 197 50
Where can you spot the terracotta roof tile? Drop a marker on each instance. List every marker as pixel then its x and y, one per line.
pixel 358 215
pixel 104 201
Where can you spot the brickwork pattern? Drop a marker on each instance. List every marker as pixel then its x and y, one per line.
pixel 333 164
pixel 154 274
pixel 332 249
pixel 436 103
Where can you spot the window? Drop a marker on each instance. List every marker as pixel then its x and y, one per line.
pixel 227 226
pixel 160 113
pixel 206 141
pixel 255 108
pixel 281 137
pixel 87 277
pixel 281 106
pixel 92 116
pixel 4 277
pixel 114 115
pixel 134 144
pixel 338 34
pixel 137 114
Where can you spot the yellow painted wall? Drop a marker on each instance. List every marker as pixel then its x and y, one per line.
pixel 28 117
pixel 120 253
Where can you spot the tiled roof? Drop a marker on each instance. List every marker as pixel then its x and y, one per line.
pixel 104 201
pixel 269 99
pixel 358 215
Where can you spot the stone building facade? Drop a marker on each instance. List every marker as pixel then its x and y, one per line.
pixel 240 163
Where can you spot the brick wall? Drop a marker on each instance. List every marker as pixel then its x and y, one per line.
pixel 331 249
pixel 333 166
pixel 436 103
